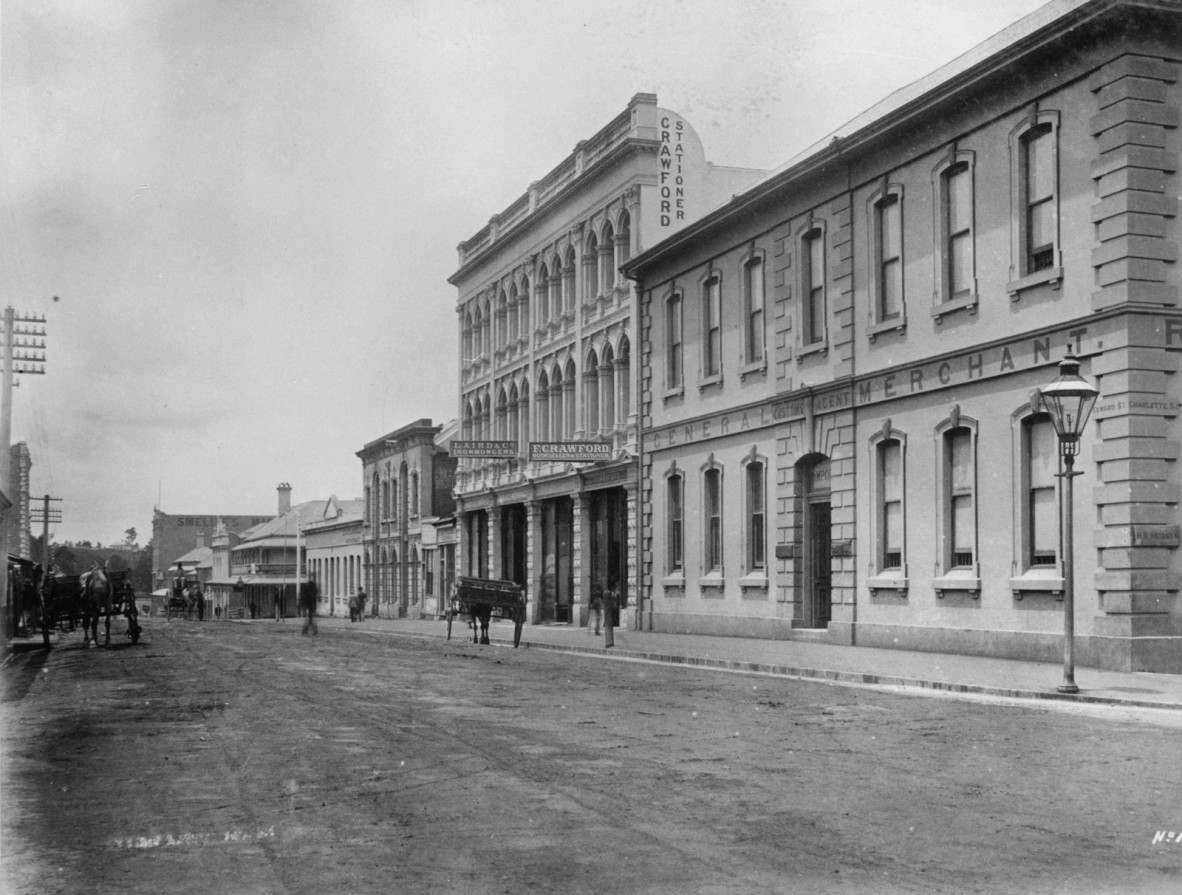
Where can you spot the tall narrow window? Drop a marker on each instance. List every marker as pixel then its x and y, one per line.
pixel 673 352
pixel 813 279
pixel 712 510
pixel 675 516
pixel 889 221
pixel 756 519
pixel 890 472
pixel 958 225
pixel 961 511
pixel 1041 209
pixel 1042 457
pixel 711 328
pixel 753 289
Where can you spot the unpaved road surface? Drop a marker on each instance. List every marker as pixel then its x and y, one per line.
pixel 244 758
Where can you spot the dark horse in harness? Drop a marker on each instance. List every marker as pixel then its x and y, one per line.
pixel 98 597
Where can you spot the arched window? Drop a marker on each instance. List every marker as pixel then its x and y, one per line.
pixel 570 423
pixel 554 287
pixel 511 324
pixel 568 281
pixel 607 389
pixel 512 427
pixel 542 296
pixel 542 418
pixel 623 382
pixel 556 417
pixel 591 395
pixel 607 258
pixel 624 240
pixel 523 408
pixel 591 268
pixel 502 416
pixel 523 304
pixel 502 320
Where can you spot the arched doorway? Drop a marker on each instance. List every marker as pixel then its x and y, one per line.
pixel 816 540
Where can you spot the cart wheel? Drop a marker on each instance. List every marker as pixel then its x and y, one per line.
pixel 133 628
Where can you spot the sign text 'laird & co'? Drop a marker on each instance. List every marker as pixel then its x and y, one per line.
pixel 484 449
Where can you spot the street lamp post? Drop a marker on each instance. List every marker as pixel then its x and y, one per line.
pixel 1069 400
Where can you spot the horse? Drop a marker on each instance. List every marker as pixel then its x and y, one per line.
pixel 183 602
pixel 98 597
pixel 480 614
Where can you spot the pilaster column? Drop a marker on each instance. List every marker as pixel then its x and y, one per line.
pixel 581 555
pixel 533 560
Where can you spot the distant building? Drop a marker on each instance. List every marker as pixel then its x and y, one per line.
pixel 409 478
pixel 842 435
pixel 333 552
pixel 174 535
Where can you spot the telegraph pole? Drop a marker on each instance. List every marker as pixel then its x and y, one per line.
pixel 24 352
pixel 45 515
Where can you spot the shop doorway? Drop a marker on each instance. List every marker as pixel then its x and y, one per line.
pixel 609 544
pixel 513 543
pixel 558 580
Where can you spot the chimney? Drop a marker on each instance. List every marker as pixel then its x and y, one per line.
pixel 284 497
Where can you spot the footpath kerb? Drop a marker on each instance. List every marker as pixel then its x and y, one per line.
pixel 819 661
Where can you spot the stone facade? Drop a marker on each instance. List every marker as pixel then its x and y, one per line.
pixel 924 271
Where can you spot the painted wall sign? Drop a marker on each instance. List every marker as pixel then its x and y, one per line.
pixel 505 450
pixel 570 451
pixel 966 368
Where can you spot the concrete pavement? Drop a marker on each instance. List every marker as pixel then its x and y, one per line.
pixel 821 661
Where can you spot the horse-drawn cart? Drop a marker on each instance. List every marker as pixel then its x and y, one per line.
pixel 65 602
pixel 482 598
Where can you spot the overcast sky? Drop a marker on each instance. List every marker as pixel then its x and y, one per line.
pixel 239 217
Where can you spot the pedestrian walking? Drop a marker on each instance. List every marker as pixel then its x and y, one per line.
pixel 610 601
pixel 353 607
pixel 361 600
pixel 596 611
pixel 254 610
pixel 309 593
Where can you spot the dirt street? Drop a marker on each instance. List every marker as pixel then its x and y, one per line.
pixel 244 758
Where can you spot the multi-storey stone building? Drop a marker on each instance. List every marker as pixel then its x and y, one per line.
pixel 547 327
pixel 408 478
pixel 842 435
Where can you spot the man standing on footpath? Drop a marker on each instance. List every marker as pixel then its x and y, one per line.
pixel 309 593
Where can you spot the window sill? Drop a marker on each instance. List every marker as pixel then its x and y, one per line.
pixel 888 582
pixel 751 369
pixel 674 581
pixel 712 582
pixel 821 348
pixel 959 582
pixel 1042 581
pixel 968 303
pixel 710 382
pixel 678 392
pixel 1052 275
pixel 756 581
pixel 898 325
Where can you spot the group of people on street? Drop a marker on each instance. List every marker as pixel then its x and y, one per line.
pixel 605 609
pixel 357 605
